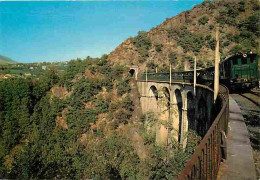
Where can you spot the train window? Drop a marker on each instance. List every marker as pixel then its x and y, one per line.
pixel 234 61
pixel 252 59
pixel 244 61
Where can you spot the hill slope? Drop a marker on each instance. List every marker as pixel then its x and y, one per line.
pixel 6 60
pixel 191 33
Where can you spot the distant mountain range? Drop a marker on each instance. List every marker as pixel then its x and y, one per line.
pixel 6 60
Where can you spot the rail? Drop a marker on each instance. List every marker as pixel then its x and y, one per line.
pixel 206 159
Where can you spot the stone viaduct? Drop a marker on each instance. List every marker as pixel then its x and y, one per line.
pixel 177 108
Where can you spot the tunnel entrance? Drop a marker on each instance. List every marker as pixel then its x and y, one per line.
pixel 132 72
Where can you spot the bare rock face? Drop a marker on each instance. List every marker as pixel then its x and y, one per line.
pixel 60 120
pixel 59 92
pixel 190 33
pixel 125 53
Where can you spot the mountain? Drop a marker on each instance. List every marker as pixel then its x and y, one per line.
pixel 180 38
pixel 6 60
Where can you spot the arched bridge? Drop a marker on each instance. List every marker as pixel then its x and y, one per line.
pixel 180 109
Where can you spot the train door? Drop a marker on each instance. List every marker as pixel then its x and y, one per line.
pixel 234 67
pixel 250 62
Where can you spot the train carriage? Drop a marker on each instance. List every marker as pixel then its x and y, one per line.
pixel 240 71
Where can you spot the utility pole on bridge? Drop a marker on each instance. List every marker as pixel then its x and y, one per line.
pixel 217 59
pixel 195 75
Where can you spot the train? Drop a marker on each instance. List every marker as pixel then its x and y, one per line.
pixel 240 71
pixel 237 72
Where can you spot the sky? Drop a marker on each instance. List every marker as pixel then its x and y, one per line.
pixel 49 31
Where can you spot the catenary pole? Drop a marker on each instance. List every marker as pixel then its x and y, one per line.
pixel 217 59
pixel 195 75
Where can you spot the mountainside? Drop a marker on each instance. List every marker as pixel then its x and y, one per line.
pixel 6 60
pixel 180 38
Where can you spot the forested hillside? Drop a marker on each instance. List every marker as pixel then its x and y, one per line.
pixel 178 39
pixel 83 123
pixel 79 126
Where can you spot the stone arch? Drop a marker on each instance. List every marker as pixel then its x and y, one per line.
pixel 153 98
pixel 164 94
pixel 178 105
pixel 191 111
pixel 202 117
pixel 164 118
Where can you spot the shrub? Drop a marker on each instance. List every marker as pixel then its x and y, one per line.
pixel 142 43
pixel 123 87
pixel 210 42
pixel 158 47
pixel 236 49
pixel 232 11
pixel 151 66
pixel 226 43
pixel 251 24
pixel 172 59
pixel 204 20
pixel 200 64
pixel 127 103
pixel 191 61
pixel 122 116
pixel 101 105
pixel 113 107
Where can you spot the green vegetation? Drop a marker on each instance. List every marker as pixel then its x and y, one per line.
pixel 143 44
pixel 187 40
pixel 80 135
pixel 151 66
pixel 166 162
pixel 173 59
pixel 248 28
pixel 31 69
pixel 158 47
pixel 204 20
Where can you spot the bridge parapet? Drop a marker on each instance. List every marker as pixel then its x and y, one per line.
pixel 205 162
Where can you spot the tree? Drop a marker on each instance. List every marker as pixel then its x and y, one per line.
pixel 142 43
pixel 204 20
pixel 173 59
pixel 158 47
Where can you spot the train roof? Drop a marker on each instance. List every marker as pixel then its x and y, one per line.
pixel 239 56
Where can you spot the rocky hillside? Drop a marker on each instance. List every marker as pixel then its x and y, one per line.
pixel 180 38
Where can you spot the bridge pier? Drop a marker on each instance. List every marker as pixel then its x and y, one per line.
pixel 178 109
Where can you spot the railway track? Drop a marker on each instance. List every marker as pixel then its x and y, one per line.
pixel 255 92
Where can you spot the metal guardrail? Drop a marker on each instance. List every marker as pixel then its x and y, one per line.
pixel 188 75
pixel 184 76
pixel 205 161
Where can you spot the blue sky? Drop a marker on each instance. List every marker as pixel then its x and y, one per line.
pixel 59 31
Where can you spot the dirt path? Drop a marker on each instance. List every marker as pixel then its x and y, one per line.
pixel 250 107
